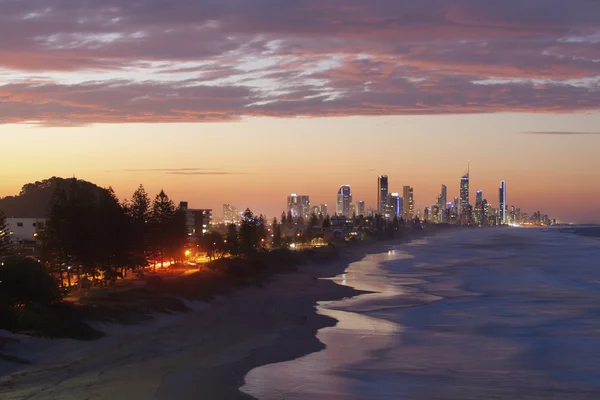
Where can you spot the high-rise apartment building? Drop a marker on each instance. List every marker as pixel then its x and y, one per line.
pixel 315 210
pixel 443 198
pixel 382 194
pixel 343 201
pixel 408 206
pixel 231 214
pixel 360 208
pixel 323 209
pixel 299 206
pixel 502 202
pixel 395 205
pixel 464 194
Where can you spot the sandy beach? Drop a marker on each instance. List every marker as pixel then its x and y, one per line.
pixel 201 354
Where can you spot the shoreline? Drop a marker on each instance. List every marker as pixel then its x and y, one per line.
pixel 164 359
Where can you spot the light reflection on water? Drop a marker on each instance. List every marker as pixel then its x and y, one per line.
pixel 482 314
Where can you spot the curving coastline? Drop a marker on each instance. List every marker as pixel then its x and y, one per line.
pixel 204 353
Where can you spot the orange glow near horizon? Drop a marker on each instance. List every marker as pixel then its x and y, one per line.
pixel 258 162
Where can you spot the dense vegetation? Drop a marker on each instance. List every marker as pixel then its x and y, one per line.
pixel 34 199
pixel 30 301
pixel 92 235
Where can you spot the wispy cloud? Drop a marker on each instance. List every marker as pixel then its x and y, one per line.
pixel 180 171
pixel 200 173
pixel 73 63
pixel 162 170
pixel 563 133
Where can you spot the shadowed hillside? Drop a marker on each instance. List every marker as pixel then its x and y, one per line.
pixel 34 198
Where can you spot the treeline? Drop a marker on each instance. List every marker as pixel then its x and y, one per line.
pixel 93 235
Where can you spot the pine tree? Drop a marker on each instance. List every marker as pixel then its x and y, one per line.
pixel 163 212
pixel 327 222
pixel 249 232
pixel 113 236
pixel 283 218
pixel 277 239
pixel 140 215
pixel 233 243
pixel 54 245
pixel 314 220
pixel 262 231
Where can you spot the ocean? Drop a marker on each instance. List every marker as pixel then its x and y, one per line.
pixel 474 314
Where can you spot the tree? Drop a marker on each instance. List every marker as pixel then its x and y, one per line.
pixel 54 239
pixel 233 243
pixel 214 244
pixel 81 229
pixel 262 231
pixel 24 282
pixel 290 218
pixel 327 222
pixel 416 223
pixel 283 218
pixel 6 246
pixel 140 216
pixel 113 237
pixel 177 234
pixel 163 213
pixel 277 239
pixel 314 221
pixel 249 232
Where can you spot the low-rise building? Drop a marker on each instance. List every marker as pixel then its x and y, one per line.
pixel 22 229
pixel 197 221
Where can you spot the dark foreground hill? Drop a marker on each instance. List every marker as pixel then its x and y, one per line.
pixel 34 199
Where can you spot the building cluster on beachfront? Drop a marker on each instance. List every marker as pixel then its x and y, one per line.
pixel 401 205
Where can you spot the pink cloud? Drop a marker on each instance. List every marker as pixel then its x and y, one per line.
pixel 306 57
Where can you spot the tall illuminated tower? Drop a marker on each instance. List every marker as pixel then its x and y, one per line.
pixel 443 197
pixel 502 202
pixel 408 205
pixel 382 194
pixel 344 198
pixel 464 194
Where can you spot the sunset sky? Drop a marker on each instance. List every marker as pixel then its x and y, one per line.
pixel 247 101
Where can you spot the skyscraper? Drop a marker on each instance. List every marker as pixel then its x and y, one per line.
pixel 478 198
pixel 464 194
pixel 395 205
pixel 408 206
pixel 344 198
pixel 299 206
pixel 231 214
pixel 324 209
pixel 502 202
pixel 443 198
pixel 360 208
pixel 382 193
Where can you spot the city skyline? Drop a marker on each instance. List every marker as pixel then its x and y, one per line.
pixel 344 199
pixel 233 104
